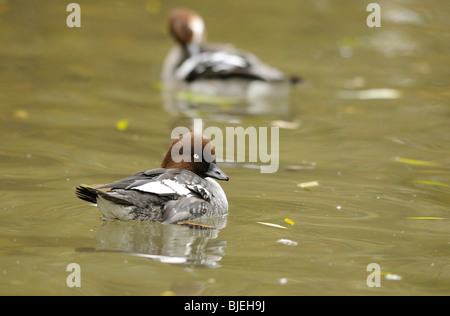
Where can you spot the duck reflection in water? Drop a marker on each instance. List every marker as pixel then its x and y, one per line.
pixel 218 78
pixel 174 244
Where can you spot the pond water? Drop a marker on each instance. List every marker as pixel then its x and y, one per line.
pixel 364 151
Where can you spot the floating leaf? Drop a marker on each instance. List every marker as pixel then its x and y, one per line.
pixel 21 114
pixel 285 124
pixel 431 183
pixel 416 162
pixel 369 94
pixel 272 225
pixel 306 185
pixel 122 124
pixel 289 221
pixel 391 276
pixel 425 217
pixel 287 242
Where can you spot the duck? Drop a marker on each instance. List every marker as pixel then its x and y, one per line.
pixel 194 59
pixel 184 188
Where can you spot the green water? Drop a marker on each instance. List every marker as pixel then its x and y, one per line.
pixel 381 163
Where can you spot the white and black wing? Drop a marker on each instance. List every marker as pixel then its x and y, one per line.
pixel 172 182
pixel 224 64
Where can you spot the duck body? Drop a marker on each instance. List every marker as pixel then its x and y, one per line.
pixel 220 62
pixel 167 195
pixel 193 59
pixel 199 76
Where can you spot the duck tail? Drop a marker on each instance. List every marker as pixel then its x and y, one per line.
pixel 86 193
pixel 295 80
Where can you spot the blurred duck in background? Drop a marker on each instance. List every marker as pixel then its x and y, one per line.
pixel 196 73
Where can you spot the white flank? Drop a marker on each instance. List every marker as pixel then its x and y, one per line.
pixel 219 60
pixel 163 187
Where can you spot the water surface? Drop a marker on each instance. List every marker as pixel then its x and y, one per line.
pixel 370 126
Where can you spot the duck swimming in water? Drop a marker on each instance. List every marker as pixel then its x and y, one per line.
pixel 182 189
pixel 193 59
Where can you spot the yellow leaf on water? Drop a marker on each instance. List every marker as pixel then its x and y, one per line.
pixel 122 124
pixel 369 94
pixel 425 217
pixel 431 183
pixel 285 124
pixel 416 162
pixel 310 184
pixel 21 114
pixel 391 276
pixel 289 221
pixel 272 225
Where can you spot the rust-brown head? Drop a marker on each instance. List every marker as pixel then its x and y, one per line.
pixel 187 28
pixel 195 153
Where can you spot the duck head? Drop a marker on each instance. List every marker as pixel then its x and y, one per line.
pixel 195 153
pixel 187 28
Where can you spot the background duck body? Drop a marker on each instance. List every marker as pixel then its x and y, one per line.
pixel 196 68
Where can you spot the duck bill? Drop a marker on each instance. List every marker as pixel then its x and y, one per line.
pixel 215 172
